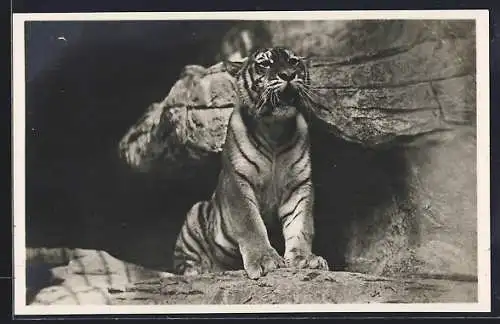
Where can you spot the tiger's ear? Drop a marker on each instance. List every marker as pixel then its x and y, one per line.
pixel 234 66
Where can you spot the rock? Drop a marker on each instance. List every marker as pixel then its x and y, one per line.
pixel 362 38
pixel 428 223
pixel 443 186
pixel 82 276
pixel 187 128
pixel 287 286
pixel 432 60
pixel 72 295
pixel 457 98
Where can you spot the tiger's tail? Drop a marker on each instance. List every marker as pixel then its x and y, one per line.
pixel 191 252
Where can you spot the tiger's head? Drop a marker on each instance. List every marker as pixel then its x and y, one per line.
pixel 271 82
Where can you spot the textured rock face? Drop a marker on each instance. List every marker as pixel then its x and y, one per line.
pixel 360 38
pixel 392 133
pixel 295 287
pixel 429 224
pixel 187 128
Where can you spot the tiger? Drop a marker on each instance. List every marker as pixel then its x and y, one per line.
pixel 265 178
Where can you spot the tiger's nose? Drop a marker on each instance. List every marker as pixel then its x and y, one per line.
pixel 287 76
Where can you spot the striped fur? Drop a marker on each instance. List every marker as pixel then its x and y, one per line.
pixel 265 177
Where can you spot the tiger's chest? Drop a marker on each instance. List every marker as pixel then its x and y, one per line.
pixel 270 189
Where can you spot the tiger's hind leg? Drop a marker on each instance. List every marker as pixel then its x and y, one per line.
pixel 192 253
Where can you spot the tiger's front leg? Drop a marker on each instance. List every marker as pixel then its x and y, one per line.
pixel 296 216
pixel 259 257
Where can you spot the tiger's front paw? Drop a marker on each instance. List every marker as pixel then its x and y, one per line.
pixel 190 268
pixel 192 271
pixel 306 261
pixel 259 263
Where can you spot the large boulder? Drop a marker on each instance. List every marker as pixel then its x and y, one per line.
pixel 186 128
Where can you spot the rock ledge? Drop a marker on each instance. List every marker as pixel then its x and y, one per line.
pixel 289 286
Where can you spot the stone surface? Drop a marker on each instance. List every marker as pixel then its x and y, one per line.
pixel 429 223
pixel 186 128
pixel 418 96
pixel 83 276
pixel 361 38
pixel 457 97
pixel 427 61
pixel 286 286
pixel 379 126
pixel 443 183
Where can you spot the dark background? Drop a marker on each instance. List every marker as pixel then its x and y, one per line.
pixel 83 93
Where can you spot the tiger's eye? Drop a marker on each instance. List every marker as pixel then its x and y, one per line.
pixel 265 64
pixel 293 61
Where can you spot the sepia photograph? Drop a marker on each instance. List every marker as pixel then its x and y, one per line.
pixel 246 162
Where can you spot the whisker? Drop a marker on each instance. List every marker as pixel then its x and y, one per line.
pixel 273 99
pixel 312 98
pixel 307 95
pixel 310 94
pixel 310 87
pixel 262 100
